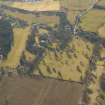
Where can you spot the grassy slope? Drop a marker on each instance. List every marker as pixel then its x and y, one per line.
pixel 20 37
pixel 64 66
pixel 101 3
pixel 75 7
pixel 93 20
pixel 39 6
pixel 101 31
pixel 68 65
pixel 103 101
pixel 51 20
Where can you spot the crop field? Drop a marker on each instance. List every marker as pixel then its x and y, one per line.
pixel 39 6
pixel 27 91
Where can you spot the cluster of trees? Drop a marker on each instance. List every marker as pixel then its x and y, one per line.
pixel 102 82
pixel 16 22
pixel 6 37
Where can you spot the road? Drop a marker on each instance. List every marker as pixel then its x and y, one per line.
pixel 80 15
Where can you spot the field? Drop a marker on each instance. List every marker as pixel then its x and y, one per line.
pixel 67 65
pixel 101 3
pixel 103 101
pixel 20 38
pixel 38 91
pixel 94 21
pixel 74 7
pixel 39 6
pixel 31 18
pixel 89 23
pixel 101 31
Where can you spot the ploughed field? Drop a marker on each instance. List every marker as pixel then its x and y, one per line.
pixel 38 91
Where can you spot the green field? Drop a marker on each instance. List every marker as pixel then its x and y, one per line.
pixel 20 38
pixel 101 3
pixel 74 7
pixel 93 20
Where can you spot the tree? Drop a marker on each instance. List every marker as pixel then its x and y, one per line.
pixel 6 37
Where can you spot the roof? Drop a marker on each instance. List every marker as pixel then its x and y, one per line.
pixel 39 91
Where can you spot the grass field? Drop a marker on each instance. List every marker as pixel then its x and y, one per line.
pixel 39 6
pixel 101 31
pixel 67 65
pixel 93 20
pixel 103 101
pixel 101 3
pixel 30 18
pixel 20 38
pixel 74 7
